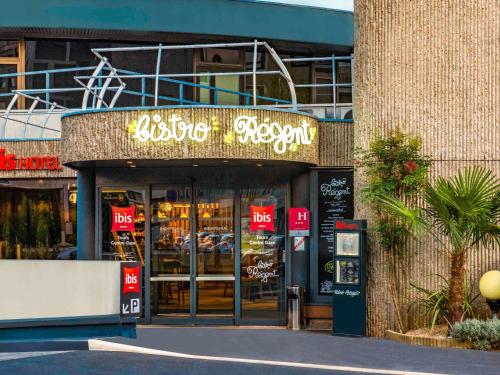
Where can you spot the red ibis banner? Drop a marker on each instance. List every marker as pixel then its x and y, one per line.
pixel 122 219
pixel 131 289
pixel 262 218
pixel 299 221
pixel 10 162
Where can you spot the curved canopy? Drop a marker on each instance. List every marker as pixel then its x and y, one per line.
pixel 215 17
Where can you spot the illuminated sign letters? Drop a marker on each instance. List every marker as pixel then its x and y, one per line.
pixel 244 130
pixel 9 162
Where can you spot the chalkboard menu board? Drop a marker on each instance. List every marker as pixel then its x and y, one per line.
pixel 335 202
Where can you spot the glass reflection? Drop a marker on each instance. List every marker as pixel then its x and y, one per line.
pixel 123 224
pixel 215 251
pixel 170 249
pixel 262 253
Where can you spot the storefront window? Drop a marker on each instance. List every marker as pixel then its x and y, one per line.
pixel 48 54
pixel 215 251
pixel 263 253
pixel 38 220
pixel 123 224
pixel 170 250
pixel 7 84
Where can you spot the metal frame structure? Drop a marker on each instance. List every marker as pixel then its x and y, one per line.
pixel 108 81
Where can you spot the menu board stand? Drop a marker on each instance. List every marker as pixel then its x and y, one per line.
pixel 349 278
pixel 335 202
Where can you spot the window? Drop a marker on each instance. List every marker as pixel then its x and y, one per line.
pixel 263 253
pixel 11 63
pixel 38 219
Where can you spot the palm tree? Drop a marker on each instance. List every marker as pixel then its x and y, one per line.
pixel 466 210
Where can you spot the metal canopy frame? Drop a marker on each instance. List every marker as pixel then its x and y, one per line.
pixel 105 84
pixel 113 74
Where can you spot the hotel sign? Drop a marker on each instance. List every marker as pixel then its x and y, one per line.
pixel 10 162
pixel 244 130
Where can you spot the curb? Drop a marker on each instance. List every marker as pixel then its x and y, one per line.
pixel 101 345
pixel 427 341
pixel 43 346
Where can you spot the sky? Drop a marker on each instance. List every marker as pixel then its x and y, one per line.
pixel 334 4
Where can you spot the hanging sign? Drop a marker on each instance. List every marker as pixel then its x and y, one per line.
pixel 131 289
pixel 10 162
pixel 299 221
pixel 262 218
pixel 122 219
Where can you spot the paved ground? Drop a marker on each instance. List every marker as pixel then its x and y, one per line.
pixel 258 344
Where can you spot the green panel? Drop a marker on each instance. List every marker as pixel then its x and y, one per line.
pixel 219 17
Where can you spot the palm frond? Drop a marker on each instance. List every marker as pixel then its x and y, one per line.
pixel 412 217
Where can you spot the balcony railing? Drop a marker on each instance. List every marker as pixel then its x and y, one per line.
pixel 107 86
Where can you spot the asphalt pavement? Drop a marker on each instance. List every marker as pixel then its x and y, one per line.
pixel 253 351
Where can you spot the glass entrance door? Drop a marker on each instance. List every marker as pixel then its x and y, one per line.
pixel 215 252
pixel 171 227
pixel 192 253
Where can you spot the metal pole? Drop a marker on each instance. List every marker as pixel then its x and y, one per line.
pixel 185 46
pixel 30 111
pixel 158 60
pixel 52 107
pixel 285 73
pixel 90 83
pixel 352 84
pixel 334 85
pixel 254 72
pixel 47 86
pixel 143 92
pixel 181 93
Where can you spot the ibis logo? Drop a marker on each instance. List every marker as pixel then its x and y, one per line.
pixel 131 279
pixel 262 218
pixel 122 219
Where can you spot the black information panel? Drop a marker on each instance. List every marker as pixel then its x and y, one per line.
pixel 130 289
pixel 349 278
pixel 335 202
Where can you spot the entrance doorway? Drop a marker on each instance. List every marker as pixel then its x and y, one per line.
pixel 193 253
pixel 210 255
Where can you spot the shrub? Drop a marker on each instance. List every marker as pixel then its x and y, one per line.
pixel 483 334
pixel 434 304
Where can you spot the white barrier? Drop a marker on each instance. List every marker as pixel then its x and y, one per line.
pixel 38 289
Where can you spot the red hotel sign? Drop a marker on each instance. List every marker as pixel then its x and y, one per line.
pixel 9 162
pixel 122 219
pixel 299 221
pixel 262 218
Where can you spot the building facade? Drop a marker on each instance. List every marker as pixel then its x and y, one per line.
pixel 180 145
pixel 431 69
pixel 181 135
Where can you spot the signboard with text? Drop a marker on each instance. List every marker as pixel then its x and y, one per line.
pixel 299 221
pixel 122 219
pixel 335 202
pixel 262 218
pixel 130 289
pixel 10 162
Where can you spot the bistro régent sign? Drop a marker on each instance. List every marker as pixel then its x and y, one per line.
pixel 245 130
